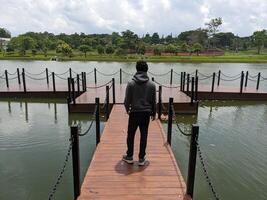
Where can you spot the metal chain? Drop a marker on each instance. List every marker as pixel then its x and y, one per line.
pixel 104 74
pixel 33 74
pixel 36 79
pixel 11 73
pixel 60 77
pixel 204 168
pixel 99 85
pixel 89 72
pixel 90 126
pixel 201 79
pixel 231 76
pixel 230 79
pixel 59 178
pixel 154 74
pixel 205 75
pixel 177 124
pixel 61 73
pixel 165 86
pixel 127 73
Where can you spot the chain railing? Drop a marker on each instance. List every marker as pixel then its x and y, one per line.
pixel 61 173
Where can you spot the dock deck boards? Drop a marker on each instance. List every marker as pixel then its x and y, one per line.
pixel 110 178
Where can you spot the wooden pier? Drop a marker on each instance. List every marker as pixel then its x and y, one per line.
pixel 108 177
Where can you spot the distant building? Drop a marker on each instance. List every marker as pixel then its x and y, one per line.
pixel 4 42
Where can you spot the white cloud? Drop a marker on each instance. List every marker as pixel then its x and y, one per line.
pixel 141 16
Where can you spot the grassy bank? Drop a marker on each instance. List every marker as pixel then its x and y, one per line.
pixel 227 58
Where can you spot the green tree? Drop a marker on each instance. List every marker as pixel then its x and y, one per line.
pixel 197 48
pixel 110 49
pixel 170 48
pixel 184 47
pixel 121 52
pixel 155 38
pixel 85 48
pixel 22 43
pixel 259 37
pixel 212 28
pixel 4 33
pixel 100 49
pixel 65 49
pixel 157 50
pixel 141 48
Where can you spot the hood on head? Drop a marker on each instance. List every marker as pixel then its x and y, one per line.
pixel 140 77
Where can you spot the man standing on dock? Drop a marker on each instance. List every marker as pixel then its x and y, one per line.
pixel 140 104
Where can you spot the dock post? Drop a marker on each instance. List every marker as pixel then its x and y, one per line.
pixel 219 78
pixel 23 80
pixel 246 80
pixel 6 75
pixel 241 82
pixel 184 81
pixel 196 73
pixel 78 84
pixel 70 73
pixel 82 77
pixel 187 84
pixel 97 121
pixel 47 77
pixel 95 75
pixel 152 79
pixel 213 81
pixel 73 91
pixel 160 102
pixel 192 161
pixel 181 81
pixel 170 115
pixel 258 80
pixel 113 90
pixel 85 84
pixel 75 161
pixel 120 76
pixel 54 83
pixel 107 102
pixel 196 88
pixel 18 74
pixel 69 89
pixel 192 89
pixel 171 76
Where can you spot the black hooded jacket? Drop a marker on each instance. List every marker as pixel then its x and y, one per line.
pixel 140 94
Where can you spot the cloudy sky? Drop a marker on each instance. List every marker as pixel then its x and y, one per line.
pixel 141 16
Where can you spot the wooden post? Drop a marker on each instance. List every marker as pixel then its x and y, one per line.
pixel 219 78
pixel 113 91
pixel 171 76
pixel 18 74
pixel 78 84
pixel 70 73
pixel 258 81
pixel 95 75
pixel 73 91
pixel 241 82
pixel 192 161
pixel 196 88
pixel 170 115
pixel 85 82
pixel 246 80
pixel 213 81
pixel 24 80
pixel 184 81
pixel 107 102
pixel 47 77
pixel 97 121
pixel 196 73
pixel 120 76
pixel 75 161
pixel 192 89
pixel 152 79
pixel 6 75
pixel 160 102
pixel 181 81
pixel 53 80
pixel 69 89
pixel 187 83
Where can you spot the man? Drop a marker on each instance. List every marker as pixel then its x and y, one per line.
pixel 140 104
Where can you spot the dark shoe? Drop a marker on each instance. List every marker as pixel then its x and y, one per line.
pixel 142 161
pixel 127 159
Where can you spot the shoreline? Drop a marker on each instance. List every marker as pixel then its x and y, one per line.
pixel 159 59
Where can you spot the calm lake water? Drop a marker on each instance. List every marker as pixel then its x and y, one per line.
pixel 34 137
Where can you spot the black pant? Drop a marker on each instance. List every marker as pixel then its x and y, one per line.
pixel 141 120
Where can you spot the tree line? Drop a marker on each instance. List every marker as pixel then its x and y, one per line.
pixel 128 42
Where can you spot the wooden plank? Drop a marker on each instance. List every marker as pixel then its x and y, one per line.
pixel 110 178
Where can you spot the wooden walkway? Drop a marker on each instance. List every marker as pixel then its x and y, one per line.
pixel 109 178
